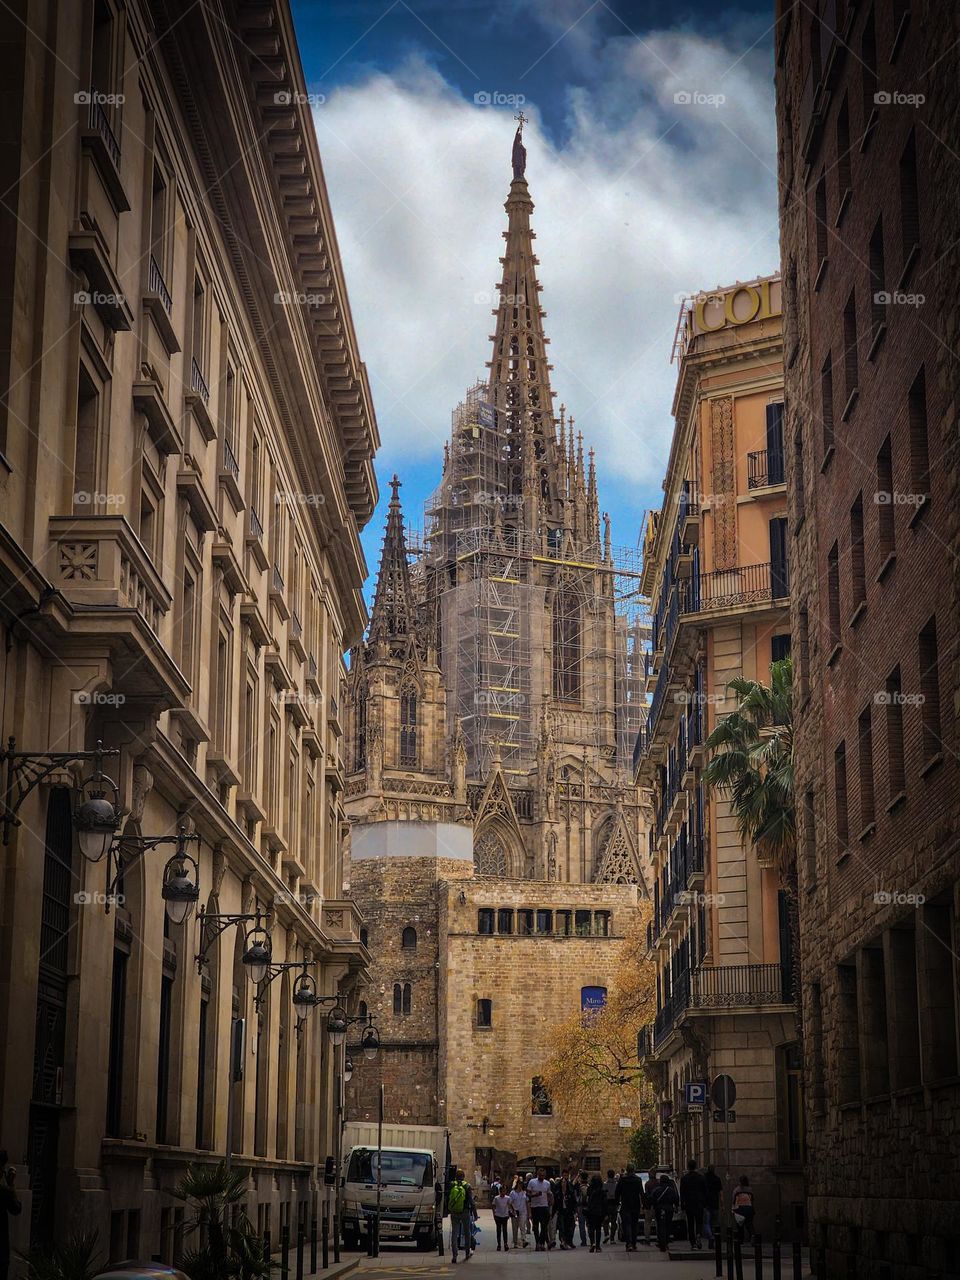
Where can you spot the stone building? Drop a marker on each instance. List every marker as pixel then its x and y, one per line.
pixel 186 439
pixel 716 571
pixel 493 706
pixel 868 99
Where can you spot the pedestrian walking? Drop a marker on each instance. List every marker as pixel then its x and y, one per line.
pixel 743 1209
pixel 553 1226
pixel 596 1209
pixel 693 1199
pixel 610 1208
pixel 583 1186
pixel 664 1204
pixel 629 1200
pixel 540 1195
pixel 651 1185
pixel 713 1203
pixel 10 1207
pixel 502 1210
pixel 520 1217
pixel 461 1207
pixel 567 1203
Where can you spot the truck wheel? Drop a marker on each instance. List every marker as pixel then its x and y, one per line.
pixel 351 1240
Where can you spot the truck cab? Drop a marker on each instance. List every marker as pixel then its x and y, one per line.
pixel 408 1196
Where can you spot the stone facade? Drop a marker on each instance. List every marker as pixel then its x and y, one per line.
pixel 869 212
pixel 185 465
pixel 716 569
pixel 493 706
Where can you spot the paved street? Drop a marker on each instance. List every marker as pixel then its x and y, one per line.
pixel 399 1261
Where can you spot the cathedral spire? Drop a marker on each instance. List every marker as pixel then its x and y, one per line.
pixel 393 612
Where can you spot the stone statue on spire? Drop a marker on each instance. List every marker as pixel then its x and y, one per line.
pixel 519 150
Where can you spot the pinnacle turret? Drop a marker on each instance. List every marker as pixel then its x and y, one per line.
pixel 394 610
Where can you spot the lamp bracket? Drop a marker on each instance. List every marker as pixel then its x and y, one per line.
pixel 138 846
pixel 27 769
pixel 215 923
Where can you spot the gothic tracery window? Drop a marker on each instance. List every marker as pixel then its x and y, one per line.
pixel 408 727
pixel 360 728
pixel 567 645
pixel 490 854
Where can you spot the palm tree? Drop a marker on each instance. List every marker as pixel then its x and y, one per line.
pixel 229 1248
pixel 752 762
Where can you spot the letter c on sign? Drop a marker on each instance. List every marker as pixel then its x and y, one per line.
pixel 728 308
pixel 700 317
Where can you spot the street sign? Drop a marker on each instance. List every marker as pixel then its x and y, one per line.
pixel 725 1117
pixel 696 1093
pixel 724 1093
pixel 694 1109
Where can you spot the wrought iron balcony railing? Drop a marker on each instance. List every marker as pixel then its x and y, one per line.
pixel 157 285
pixel 764 468
pixel 230 463
pixel 99 122
pixel 198 382
pixel 730 588
pixel 729 986
pixel 256 525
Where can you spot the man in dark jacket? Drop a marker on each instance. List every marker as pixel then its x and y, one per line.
pixel 693 1199
pixel 630 1199
pixel 711 1210
pixel 665 1201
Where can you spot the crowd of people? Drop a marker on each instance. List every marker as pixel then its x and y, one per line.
pixel 577 1206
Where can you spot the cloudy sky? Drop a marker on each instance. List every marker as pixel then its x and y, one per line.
pixel 651 161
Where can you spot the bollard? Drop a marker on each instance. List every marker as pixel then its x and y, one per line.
pixel 301 1241
pixel 336 1236
pixel 758 1256
pixel 738 1256
pixel 313 1242
pixel 718 1250
pixel 776 1255
pixel 797 1261
pixel 729 1253
pixel 285 1253
pixel 325 1241
pixel 440 1238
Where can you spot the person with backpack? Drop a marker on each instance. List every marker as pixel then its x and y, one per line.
pixel 693 1199
pixel 743 1209
pixel 566 1210
pixel 630 1198
pixel 461 1207
pixel 610 1211
pixel 664 1204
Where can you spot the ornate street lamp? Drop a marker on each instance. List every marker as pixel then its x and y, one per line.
pixel 96 817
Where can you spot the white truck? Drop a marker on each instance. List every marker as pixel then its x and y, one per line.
pixel 411 1170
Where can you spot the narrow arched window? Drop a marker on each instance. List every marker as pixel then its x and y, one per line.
pixel 360 728
pixel 407 994
pixel 397 999
pixel 364 936
pixel 408 727
pixel 409 938
pixel 362 1009
pixel 567 646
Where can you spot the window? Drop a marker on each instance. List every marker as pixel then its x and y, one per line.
pixel 799 481
pixel 540 1104
pixel 938 990
pixel 919 440
pixel 159 237
pixel 402 994
pixel 86 465
pixel 567 645
pixel 408 939
pixel 820 212
pixel 848 1036
pixel 885 500
pixel 841 820
pixel 582 923
pixel 199 333
pixel 909 200
pixel 878 297
pixel 601 920
pixel 408 727
pixel 809 838
pixel 930 691
pixel 525 922
pixel 189 623
pixel 490 854
pixel 163 1057
pixel 544 921
pixel 780 647
pixel 362 1011
pixel 118 1005
pixel 868 65
pixel 902 1009
pixel 202 1050
pixel 826 403
pixel 873 1010
pixel 858 581
pixel 894 725
pixel 833 597
pixel 865 761
pixel 779 568
pixel 774 426
pixel 803 635
pixel 407 997
pixel 485 1013
pixel 360 729
pixel 815 1042
pixel 364 936
pixel 504 920
pixel 844 182
pixel 485 920
pixel 790 1104
pixel 850 354
pixel 564 920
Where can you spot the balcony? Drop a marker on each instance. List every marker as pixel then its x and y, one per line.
pixel 198 401
pixel 254 539
pixel 277 593
pixel 100 142
pixel 296 637
pixel 313 674
pixel 765 469
pixel 737 588
pixel 159 304
pixel 718 988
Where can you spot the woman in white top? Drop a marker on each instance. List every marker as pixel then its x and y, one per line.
pixel 520 1219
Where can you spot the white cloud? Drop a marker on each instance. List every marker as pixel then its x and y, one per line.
pixel 645 198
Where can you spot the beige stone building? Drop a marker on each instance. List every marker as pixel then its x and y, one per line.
pixel 493 708
pixel 186 439
pixel 716 570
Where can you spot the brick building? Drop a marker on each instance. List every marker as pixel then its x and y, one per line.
pixel 868 100
pixel 185 465
pixel 493 706
pixel 716 570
